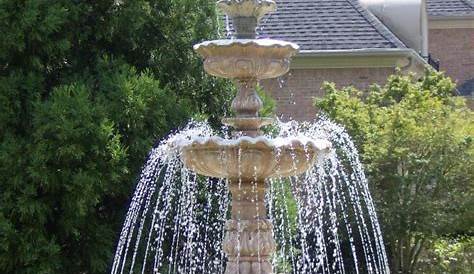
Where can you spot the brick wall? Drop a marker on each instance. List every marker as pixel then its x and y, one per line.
pixel 295 91
pixel 470 102
pixel 455 50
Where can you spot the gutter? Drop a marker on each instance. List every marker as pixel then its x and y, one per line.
pixel 451 17
pixel 411 54
pixel 451 21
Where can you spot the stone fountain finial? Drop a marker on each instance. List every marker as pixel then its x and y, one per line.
pixel 247 60
pixel 247 8
pixel 246 14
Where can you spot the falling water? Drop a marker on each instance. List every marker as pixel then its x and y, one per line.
pixel 228 28
pixel 324 220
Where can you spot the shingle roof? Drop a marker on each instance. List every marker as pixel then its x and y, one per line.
pixel 450 8
pixel 327 25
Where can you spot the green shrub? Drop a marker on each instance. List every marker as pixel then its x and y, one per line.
pixel 416 142
pixel 454 256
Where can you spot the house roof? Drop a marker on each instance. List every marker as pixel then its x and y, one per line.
pixel 318 25
pixel 450 8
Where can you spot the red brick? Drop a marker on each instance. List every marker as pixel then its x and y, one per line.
pixel 455 50
pixel 294 95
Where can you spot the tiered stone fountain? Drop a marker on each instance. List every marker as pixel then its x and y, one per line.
pixel 250 158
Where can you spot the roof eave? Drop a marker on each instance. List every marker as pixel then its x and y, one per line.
pixel 358 58
pixel 356 52
pixel 451 21
pixel 451 17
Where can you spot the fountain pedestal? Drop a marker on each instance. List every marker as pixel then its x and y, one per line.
pixel 247 162
pixel 249 241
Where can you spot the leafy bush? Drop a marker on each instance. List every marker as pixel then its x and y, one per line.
pixel 416 141
pixel 449 256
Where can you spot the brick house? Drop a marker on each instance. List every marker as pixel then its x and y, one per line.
pixel 352 42
pixel 451 40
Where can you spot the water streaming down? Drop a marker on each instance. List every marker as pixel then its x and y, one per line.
pixel 337 227
pixel 175 220
pixel 324 220
pixel 241 201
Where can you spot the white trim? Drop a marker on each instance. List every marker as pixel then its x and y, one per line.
pixel 451 22
pixel 393 57
pixel 352 52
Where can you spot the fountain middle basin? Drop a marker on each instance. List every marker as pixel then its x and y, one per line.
pixel 252 158
pixel 247 58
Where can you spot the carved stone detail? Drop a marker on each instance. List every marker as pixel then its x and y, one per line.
pixel 245 27
pixel 249 267
pixel 249 241
pixel 246 14
pixel 247 59
pixel 250 158
pixel 247 103
pixel 249 238
pixel 249 126
pixel 247 8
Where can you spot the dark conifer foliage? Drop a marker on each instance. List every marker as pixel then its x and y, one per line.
pixel 86 88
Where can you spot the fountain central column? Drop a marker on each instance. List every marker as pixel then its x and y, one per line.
pixel 249 241
pixel 247 161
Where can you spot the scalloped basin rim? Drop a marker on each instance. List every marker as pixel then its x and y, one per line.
pixel 247 42
pixel 318 144
pixel 251 158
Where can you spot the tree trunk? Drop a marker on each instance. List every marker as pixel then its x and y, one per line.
pixel 405 253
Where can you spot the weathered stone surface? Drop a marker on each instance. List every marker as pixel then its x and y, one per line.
pixel 246 58
pixel 251 158
pixel 247 8
pixel 249 267
pixel 249 240
pixel 247 103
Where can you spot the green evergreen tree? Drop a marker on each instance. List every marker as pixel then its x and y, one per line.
pixel 86 88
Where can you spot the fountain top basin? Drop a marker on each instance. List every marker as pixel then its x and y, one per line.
pixel 247 8
pixel 264 42
pixel 247 58
pixel 251 158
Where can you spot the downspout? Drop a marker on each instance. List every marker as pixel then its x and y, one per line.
pixel 408 19
pixel 424 29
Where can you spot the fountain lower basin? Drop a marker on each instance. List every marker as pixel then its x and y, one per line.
pixel 247 58
pixel 250 158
